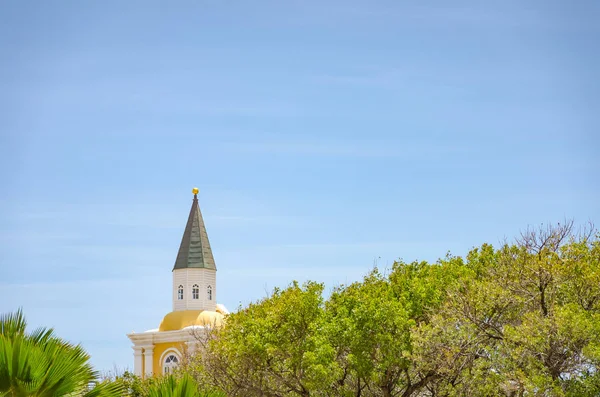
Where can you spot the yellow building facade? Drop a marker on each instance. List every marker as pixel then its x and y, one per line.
pixel 194 292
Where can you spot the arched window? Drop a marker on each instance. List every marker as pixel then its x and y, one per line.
pixel 195 292
pixel 209 292
pixel 170 363
pixel 180 292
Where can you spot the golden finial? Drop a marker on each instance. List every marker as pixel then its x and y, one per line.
pixel 195 191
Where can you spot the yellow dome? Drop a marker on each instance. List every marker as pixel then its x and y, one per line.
pixel 186 318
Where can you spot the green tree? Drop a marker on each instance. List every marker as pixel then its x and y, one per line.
pixel 373 326
pixel 43 365
pixel 275 347
pixel 370 329
pixel 519 320
pixel 533 311
pixel 131 384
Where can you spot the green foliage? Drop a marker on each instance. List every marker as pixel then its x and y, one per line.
pixel 533 308
pixel 133 385
pixel 178 386
pixel 41 364
pixel 276 344
pixel 370 324
pixel 175 384
pixel 519 320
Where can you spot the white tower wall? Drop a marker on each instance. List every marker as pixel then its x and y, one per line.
pixel 188 278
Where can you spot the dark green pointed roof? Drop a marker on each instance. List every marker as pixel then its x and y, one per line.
pixel 194 251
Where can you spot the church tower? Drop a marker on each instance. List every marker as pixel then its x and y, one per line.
pixel 194 294
pixel 194 273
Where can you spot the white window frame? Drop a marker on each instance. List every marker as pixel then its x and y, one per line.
pixel 180 293
pixel 170 366
pixel 195 291
pixel 209 292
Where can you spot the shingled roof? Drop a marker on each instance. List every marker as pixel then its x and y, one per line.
pixel 194 251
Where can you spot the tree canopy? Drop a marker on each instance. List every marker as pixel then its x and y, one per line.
pixel 520 319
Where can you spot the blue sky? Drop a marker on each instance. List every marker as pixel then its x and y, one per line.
pixel 325 136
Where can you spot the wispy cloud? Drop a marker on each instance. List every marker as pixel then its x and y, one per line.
pixel 263 220
pixel 161 219
pixel 348 149
pixel 37 236
pixel 135 94
pixel 372 76
pixel 287 273
pixel 56 286
pixel 423 75
pixel 318 248
pixel 501 15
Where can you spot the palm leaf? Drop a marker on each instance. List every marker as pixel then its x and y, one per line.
pixel 41 364
pixel 12 324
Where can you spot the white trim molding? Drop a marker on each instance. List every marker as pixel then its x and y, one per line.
pixel 148 360
pixel 137 360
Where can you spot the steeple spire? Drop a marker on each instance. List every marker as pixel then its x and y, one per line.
pixel 194 251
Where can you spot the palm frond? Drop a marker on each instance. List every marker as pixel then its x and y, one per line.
pixel 12 324
pixel 41 364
